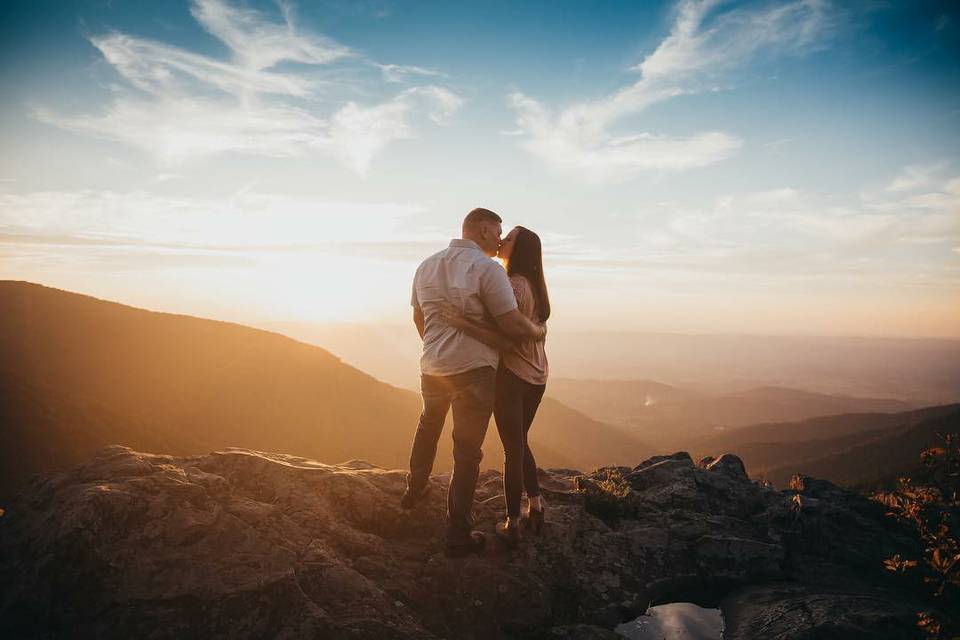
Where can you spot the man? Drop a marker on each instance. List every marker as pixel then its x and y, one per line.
pixel 457 370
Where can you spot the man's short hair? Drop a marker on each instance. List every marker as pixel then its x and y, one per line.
pixel 478 216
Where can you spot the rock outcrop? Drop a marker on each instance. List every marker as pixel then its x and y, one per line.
pixel 243 544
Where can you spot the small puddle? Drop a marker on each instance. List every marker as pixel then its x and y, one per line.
pixel 675 621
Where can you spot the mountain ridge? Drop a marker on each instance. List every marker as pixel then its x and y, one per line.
pixel 674 417
pixel 776 451
pixel 896 451
pixel 226 384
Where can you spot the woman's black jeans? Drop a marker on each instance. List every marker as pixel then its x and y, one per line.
pixel 514 409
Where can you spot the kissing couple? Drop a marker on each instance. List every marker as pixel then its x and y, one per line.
pixel 483 330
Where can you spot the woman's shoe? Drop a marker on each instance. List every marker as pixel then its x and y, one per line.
pixel 535 521
pixel 508 532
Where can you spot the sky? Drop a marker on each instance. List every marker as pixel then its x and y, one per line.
pixel 695 167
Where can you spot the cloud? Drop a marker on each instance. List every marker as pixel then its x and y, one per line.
pixel 696 47
pixel 176 103
pixel 770 239
pixel 259 44
pixel 874 229
pixel 401 73
pixel 441 103
pixel 915 177
pixel 701 47
pixel 247 220
pixel 177 127
pixel 359 133
pixel 157 68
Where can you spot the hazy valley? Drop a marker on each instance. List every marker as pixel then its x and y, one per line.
pixel 77 373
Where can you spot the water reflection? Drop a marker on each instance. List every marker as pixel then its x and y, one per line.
pixel 675 621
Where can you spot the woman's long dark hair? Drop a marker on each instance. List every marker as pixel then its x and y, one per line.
pixel 526 260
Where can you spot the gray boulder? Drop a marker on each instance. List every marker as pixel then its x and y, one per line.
pixel 246 544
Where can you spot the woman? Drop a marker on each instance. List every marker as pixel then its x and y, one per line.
pixel 521 380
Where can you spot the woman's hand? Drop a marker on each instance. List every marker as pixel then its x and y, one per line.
pixel 453 316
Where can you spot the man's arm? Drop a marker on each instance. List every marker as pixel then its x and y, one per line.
pixel 418 320
pixel 516 325
pixel 498 297
pixel 415 303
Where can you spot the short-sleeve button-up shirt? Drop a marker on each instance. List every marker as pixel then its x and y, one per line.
pixel 464 277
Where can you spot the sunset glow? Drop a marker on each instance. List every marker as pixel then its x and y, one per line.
pixel 751 167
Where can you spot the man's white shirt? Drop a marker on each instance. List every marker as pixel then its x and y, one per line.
pixel 463 276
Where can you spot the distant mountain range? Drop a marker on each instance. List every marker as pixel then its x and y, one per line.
pixel 854 450
pixel 77 373
pixel 670 417
pixel 896 451
pixel 921 371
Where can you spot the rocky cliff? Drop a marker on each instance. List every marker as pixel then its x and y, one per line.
pixel 244 544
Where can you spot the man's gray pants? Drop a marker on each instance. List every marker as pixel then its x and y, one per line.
pixel 471 394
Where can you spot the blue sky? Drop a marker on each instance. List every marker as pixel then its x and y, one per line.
pixel 773 167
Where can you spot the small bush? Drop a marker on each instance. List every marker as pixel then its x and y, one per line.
pixel 606 495
pixel 933 508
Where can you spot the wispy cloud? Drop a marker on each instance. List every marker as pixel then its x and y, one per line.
pixel 157 68
pixel 248 220
pixel 916 177
pixel 177 103
pixel 768 239
pixel 704 44
pixel 258 44
pixel 402 73
pixel 177 127
pixel 359 133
